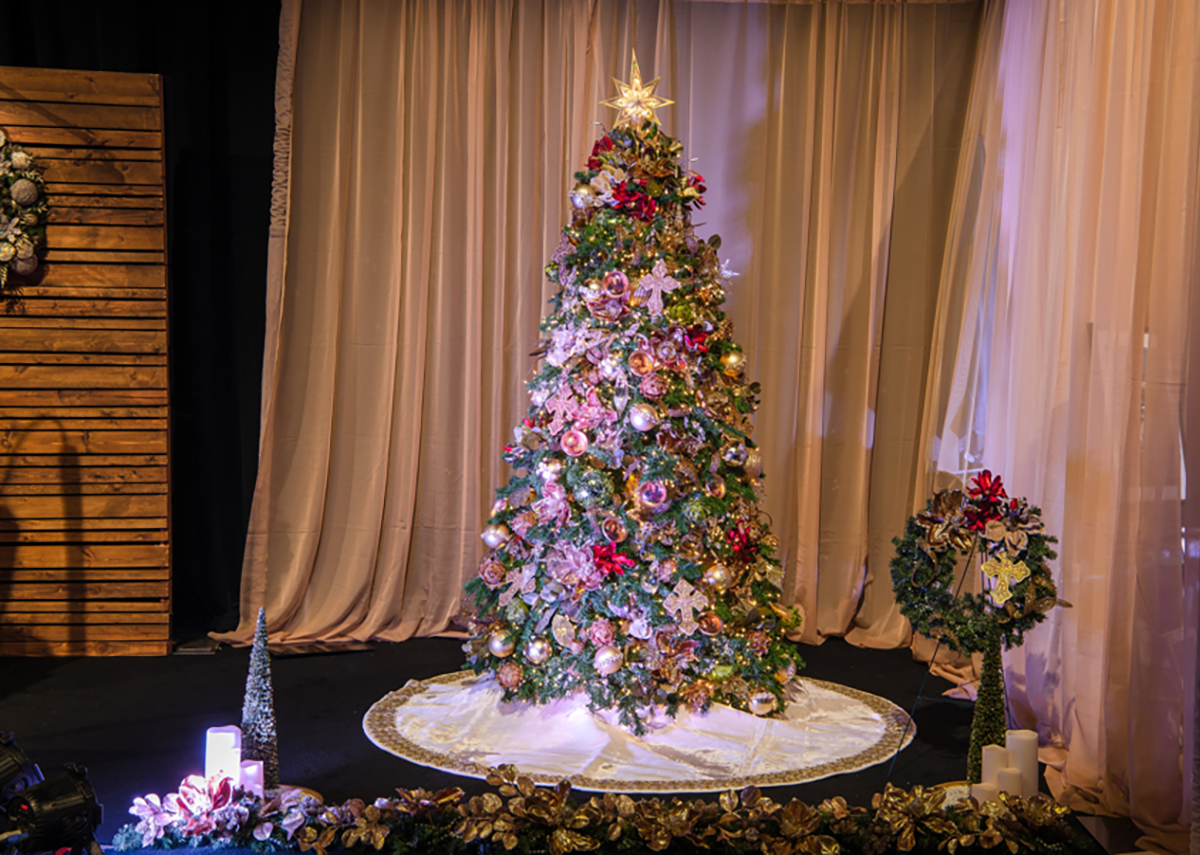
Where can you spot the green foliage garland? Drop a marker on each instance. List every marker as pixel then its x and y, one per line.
pixel 1005 533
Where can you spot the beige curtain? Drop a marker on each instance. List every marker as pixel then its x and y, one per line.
pixel 1061 352
pixel 432 145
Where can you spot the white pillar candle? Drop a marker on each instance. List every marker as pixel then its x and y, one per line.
pixel 1022 749
pixel 995 758
pixel 1008 780
pixel 985 792
pixel 252 777
pixel 223 752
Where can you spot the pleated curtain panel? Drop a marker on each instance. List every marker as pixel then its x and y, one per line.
pixel 966 234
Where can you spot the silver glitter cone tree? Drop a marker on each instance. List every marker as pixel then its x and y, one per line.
pixel 259 740
pixel 627 556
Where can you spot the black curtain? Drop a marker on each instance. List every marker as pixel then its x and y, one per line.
pixel 217 59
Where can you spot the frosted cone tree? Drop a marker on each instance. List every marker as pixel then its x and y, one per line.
pixel 627 556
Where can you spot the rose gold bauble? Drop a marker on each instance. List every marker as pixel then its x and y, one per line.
pixel 500 642
pixel 643 417
pixel 710 623
pixel 608 660
pixel 733 362
pixel 538 650
pixel 614 530
pixel 615 285
pixel 715 487
pixel 762 703
pixel 786 673
pixel 495 535
pixel 574 442
pixel 654 495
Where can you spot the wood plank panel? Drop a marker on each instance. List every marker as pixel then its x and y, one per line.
pixel 83 537
pixel 75 201
pixel 44 153
pixel 55 290
pixel 101 172
pixel 85 648
pixel 56 114
pixel 145 608
pixel 60 192
pixel 82 377
pixel 107 215
pixel 86 397
pixel 13 591
pixel 34 307
pixel 85 618
pixel 16 322
pixel 83 489
pixel 96 632
pixel 104 237
pixel 82 86
pixel 32 136
pixel 72 423
pixel 60 340
pixel 84 442
pixel 75 558
pixel 83 575
pixel 139 460
pixel 54 256
pixel 115 509
pixel 75 525
pixel 106 275
pixel 24 358
pixel 86 413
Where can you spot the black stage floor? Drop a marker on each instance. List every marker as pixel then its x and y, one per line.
pixel 138 724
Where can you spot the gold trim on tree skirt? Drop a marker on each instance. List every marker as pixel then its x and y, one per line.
pixel 456 723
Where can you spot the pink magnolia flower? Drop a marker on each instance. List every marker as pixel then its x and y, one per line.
pixel 155 818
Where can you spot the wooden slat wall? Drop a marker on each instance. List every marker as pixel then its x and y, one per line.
pixel 85 560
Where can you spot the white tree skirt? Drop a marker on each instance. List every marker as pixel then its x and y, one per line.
pixel 457 723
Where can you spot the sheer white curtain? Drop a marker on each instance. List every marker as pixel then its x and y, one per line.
pixel 1061 341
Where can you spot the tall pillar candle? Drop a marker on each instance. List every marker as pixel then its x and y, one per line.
pixel 1022 749
pixel 223 752
pixel 995 758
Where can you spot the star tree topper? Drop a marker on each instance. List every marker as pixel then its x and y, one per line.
pixel 637 101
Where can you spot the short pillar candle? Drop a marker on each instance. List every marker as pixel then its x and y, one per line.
pixel 1022 750
pixel 1008 780
pixel 985 792
pixel 252 777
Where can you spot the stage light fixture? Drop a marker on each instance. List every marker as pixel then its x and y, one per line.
pixel 16 771
pixel 61 813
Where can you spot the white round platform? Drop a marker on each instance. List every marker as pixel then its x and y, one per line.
pixel 457 723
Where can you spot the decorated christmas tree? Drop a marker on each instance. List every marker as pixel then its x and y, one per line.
pixel 627 556
pixel 259 740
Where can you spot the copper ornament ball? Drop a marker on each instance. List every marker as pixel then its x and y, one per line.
pixel 614 530
pixel 710 623
pixel 640 363
pixel 762 703
pixel 608 660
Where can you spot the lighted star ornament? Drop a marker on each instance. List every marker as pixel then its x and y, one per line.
pixel 637 101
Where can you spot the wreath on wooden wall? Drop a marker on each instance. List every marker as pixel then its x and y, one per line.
pixel 1013 548
pixel 23 211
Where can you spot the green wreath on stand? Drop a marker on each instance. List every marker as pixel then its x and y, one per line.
pixel 23 212
pixel 1008 539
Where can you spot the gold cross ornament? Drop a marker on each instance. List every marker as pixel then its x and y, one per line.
pixel 637 101
pixel 1005 573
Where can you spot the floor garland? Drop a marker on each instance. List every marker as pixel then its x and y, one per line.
pixel 526 818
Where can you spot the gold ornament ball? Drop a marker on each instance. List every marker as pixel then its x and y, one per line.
pixel 762 703
pixel 591 291
pixel 719 576
pixel 643 417
pixel 495 535
pixel 581 196
pixel 733 363
pixel 500 642
pixel 786 673
pixel 710 623
pixel 608 660
pixel 538 650
pixel 715 487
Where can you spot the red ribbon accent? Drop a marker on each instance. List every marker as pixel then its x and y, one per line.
pixel 608 560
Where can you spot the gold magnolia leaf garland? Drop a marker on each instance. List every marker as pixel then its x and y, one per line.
pixel 938 547
pixel 528 818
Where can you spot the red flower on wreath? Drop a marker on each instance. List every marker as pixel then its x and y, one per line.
pixel 739 541
pixel 987 500
pixel 608 560
pixel 601 146
pixel 629 196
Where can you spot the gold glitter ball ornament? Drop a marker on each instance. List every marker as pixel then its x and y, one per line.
pixel 500 642
pixel 495 535
pixel 762 703
pixel 608 660
pixel 733 363
pixel 643 417
pixel 538 650
pixel 719 576
pixel 580 196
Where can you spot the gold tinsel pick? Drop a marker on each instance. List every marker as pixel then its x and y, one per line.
pixel 637 101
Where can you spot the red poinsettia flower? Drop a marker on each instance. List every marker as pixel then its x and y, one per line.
pixel 629 197
pixel 988 489
pixel 608 560
pixel 601 145
pixel 739 541
pixel 694 338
